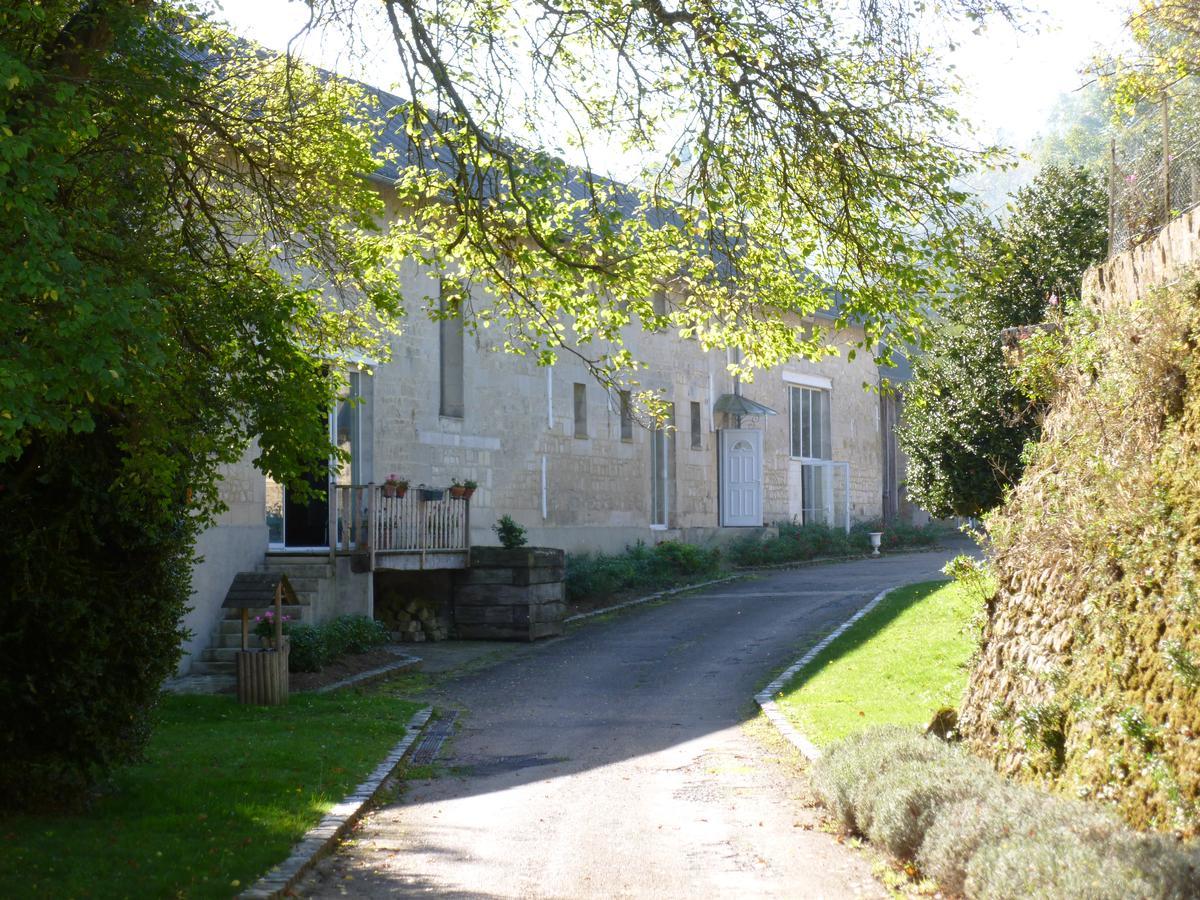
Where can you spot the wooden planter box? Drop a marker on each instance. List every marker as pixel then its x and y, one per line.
pixel 262 676
pixel 510 595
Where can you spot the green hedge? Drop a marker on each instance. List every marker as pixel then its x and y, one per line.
pixel 797 543
pixel 93 586
pixel 315 646
pixel 592 576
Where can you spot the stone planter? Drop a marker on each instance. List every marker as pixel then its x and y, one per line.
pixel 511 595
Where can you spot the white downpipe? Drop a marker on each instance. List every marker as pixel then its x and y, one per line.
pixel 549 400
pixel 544 498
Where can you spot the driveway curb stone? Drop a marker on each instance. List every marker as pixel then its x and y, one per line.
pixel 321 839
pixel 766 697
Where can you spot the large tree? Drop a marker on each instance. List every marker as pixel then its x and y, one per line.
pixel 160 185
pixel 777 154
pixel 191 246
pixel 966 418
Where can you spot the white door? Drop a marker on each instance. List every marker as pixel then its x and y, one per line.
pixel 741 477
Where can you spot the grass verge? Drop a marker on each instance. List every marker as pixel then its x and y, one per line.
pixel 897 665
pixel 224 792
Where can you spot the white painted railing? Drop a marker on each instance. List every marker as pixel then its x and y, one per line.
pixel 362 519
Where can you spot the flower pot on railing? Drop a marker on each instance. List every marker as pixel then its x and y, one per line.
pixel 462 490
pixel 395 487
pixel 428 493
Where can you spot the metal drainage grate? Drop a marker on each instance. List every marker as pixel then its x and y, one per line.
pixel 431 742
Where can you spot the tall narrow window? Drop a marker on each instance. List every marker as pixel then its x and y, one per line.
pixel 697 427
pixel 450 333
pixel 810 423
pixel 626 416
pixel 811 442
pixel 581 410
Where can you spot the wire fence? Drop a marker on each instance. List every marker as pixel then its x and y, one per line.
pixel 1154 168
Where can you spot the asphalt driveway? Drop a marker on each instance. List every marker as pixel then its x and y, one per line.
pixel 617 761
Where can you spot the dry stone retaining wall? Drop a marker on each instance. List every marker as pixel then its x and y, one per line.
pixel 1088 678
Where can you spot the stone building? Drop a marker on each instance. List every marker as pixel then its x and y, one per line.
pixel 565 457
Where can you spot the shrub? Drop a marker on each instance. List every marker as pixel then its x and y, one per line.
pixel 591 576
pixel 676 559
pixel 353 634
pixel 979 835
pixel 309 651
pixel 848 771
pixel 797 542
pixel 966 418
pixel 1060 859
pixel 907 799
pixel 92 590
pixel 315 646
pixel 510 534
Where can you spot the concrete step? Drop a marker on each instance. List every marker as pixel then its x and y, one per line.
pixel 300 565
pixel 295 612
pixel 203 666
pixel 224 655
pixel 306 583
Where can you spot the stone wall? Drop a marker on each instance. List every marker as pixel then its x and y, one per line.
pixel 1126 278
pixel 1088 677
pixel 517 439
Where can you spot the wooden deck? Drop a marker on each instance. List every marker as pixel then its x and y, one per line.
pixel 406 533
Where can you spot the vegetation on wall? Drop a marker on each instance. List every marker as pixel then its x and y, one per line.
pixel 1089 675
pixel 965 419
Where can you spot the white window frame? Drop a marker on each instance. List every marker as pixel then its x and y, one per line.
pixel 792 392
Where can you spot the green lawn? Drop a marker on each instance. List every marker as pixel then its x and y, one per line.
pixel 223 794
pixel 898 664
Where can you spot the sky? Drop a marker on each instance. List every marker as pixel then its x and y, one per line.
pixel 1013 78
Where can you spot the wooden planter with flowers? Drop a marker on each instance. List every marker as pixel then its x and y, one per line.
pixel 262 675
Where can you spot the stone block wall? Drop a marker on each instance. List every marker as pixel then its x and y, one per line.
pixel 517 435
pixel 1128 277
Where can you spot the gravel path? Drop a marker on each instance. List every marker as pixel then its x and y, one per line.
pixel 617 762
